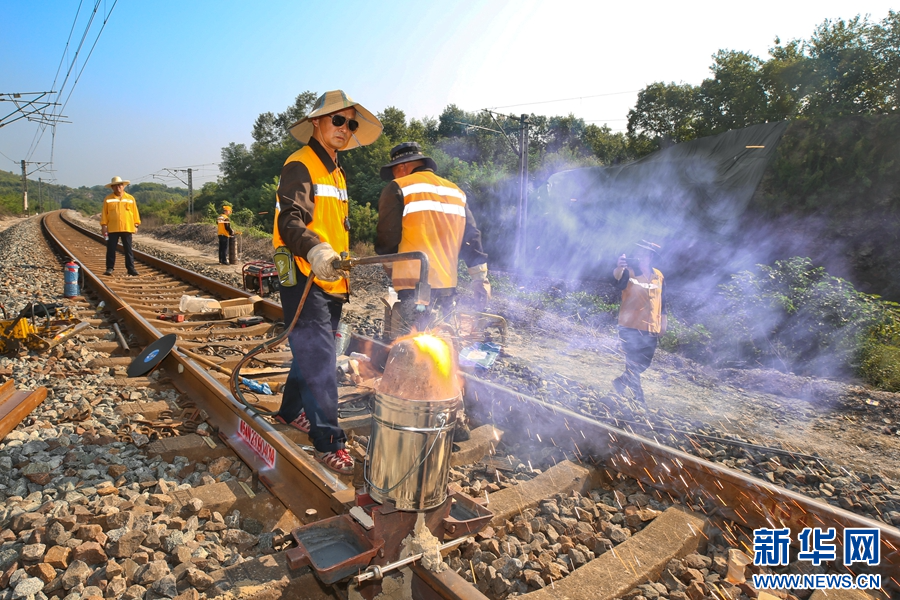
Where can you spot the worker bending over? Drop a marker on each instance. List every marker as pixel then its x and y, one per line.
pixel 419 211
pixel 312 221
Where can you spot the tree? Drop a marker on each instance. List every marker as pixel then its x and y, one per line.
pixel 666 112
pixel 609 148
pixel 736 95
pixel 885 42
pixel 265 131
pixel 844 74
pixel 394 121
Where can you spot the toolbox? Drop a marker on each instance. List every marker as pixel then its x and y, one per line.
pixel 260 276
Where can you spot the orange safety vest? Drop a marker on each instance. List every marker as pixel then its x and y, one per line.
pixel 331 209
pixel 641 306
pixel 434 221
pixel 223 221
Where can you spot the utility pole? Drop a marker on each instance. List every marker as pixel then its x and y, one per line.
pixel 25 175
pixel 40 196
pixel 24 189
pixel 190 184
pixel 522 212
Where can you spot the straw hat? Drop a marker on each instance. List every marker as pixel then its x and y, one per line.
pixel 329 102
pixel 402 153
pixel 116 181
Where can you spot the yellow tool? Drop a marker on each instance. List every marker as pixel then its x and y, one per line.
pixel 36 334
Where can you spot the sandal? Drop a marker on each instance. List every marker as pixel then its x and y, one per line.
pixel 338 461
pixel 301 422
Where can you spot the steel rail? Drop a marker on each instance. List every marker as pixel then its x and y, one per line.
pixel 737 496
pixel 15 405
pixel 291 475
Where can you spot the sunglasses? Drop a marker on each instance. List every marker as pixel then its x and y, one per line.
pixel 339 120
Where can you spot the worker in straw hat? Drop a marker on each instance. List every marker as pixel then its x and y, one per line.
pixel 312 221
pixel 118 221
pixel 642 315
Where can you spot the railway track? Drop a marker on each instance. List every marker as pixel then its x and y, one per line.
pixel 586 450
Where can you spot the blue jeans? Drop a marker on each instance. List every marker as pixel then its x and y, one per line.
pixel 311 385
pixel 639 347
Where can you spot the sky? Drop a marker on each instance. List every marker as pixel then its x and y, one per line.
pixel 170 83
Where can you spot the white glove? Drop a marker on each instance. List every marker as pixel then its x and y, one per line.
pixel 480 285
pixel 320 259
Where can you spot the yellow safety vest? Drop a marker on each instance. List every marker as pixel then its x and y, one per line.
pixel 120 215
pixel 223 221
pixel 434 221
pixel 641 306
pixel 331 209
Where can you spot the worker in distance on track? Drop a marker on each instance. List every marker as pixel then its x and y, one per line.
pixel 642 315
pixel 119 219
pixel 223 224
pixel 419 211
pixel 312 221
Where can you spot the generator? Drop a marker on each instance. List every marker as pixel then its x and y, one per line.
pixel 260 277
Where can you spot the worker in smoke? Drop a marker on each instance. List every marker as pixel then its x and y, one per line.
pixel 312 221
pixel 119 219
pixel 419 211
pixel 642 315
pixel 223 223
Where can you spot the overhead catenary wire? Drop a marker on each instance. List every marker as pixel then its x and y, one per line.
pixel 566 99
pixel 61 107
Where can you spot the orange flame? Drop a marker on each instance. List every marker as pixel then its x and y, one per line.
pixel 437 349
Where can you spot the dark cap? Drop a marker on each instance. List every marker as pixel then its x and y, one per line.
pixel 402 153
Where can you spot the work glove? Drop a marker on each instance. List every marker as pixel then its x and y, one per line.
pixel 320 259
pixel 480 286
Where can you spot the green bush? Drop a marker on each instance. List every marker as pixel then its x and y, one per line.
pixel 794 316
pixel 880 366
pixel 363 222
pixel 690 340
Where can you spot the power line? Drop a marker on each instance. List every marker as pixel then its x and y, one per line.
pixel 567 99
pixel 39 134
pixel 91 51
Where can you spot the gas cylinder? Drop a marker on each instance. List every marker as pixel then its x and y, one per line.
pixel 70 277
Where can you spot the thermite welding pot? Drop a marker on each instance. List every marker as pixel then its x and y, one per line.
pixel 423 289
pixel 415 412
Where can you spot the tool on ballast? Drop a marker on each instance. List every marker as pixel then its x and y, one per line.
pixel 152 355
pixel 249 321
pixel 26 331
pixel 377 572
pixel 173 317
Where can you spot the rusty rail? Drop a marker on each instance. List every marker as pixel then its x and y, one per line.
pixel 289 473
pixel 742 498
pixel 15 405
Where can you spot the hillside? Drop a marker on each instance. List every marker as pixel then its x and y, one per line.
pixel 832 193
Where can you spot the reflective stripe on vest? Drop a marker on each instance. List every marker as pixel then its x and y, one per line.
pixel 434 221
pixel 330 209
pixel 641 306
